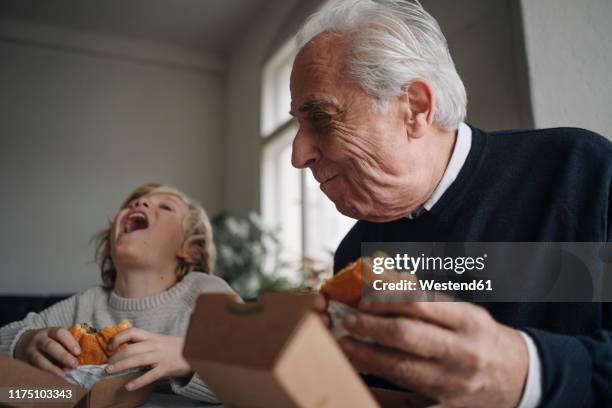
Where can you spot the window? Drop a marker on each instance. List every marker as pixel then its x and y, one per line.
pixel 310 226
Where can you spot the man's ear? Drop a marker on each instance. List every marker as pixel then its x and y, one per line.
pixel 421 108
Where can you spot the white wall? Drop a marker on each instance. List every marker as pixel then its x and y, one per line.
pixel 569 49
pixel 79 129
pixel 485 40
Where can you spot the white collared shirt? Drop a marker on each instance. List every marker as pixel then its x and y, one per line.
pixel 463 145
pixel 532 394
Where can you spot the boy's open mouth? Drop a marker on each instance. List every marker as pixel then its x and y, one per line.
pixel 135 221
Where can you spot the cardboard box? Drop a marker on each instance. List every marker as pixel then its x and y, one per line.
pixel 274 353
pixel 109 392
pixel 399 399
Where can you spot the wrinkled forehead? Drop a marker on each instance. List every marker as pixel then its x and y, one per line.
pixel 318 70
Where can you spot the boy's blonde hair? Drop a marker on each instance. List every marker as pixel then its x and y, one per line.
pixel 196 227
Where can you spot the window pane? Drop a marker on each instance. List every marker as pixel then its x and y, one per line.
pixel 276 97
pixel 325 226
pixel 282 99
pixel 281 188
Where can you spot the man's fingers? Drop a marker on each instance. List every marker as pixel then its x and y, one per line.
pixel 145 379
pixel 400 368
pixel 63 337
pixel 410 335
pixel 42 362
pixel 124 336
pixel 452 315
pixel 139 360
pixel 130 350
pixel 56 351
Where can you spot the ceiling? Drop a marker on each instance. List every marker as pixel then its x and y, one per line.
pixel 211 26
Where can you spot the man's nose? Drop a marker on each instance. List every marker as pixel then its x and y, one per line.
pixel 305 151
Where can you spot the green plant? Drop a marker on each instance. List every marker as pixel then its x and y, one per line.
pixel 249 256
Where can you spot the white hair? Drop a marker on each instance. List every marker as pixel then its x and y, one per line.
pixel 390 44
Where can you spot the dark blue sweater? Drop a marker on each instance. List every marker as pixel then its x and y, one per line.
pixel 524 186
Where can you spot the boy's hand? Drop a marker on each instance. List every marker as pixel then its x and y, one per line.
pixel 163 353
pixel 320 307
pixel 50 349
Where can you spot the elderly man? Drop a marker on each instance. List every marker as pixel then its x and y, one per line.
pixel 380 108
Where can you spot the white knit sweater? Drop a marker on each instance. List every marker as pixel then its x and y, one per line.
pixel 165 313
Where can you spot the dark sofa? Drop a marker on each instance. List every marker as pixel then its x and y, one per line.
pixel 17 307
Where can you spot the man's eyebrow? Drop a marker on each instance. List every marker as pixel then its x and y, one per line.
pixel 316 105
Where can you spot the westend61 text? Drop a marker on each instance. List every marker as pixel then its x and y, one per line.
pixel 429 284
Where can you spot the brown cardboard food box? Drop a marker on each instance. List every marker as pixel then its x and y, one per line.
pixel 276 353
pixel 109 392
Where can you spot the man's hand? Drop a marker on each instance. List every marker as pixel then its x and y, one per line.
pixel 454 352
pixel 163 353
pixel 50 349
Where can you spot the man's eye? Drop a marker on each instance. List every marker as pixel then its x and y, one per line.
pixel 317 117
pixel 165 207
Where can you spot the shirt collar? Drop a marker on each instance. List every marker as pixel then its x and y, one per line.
pixel 456 162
